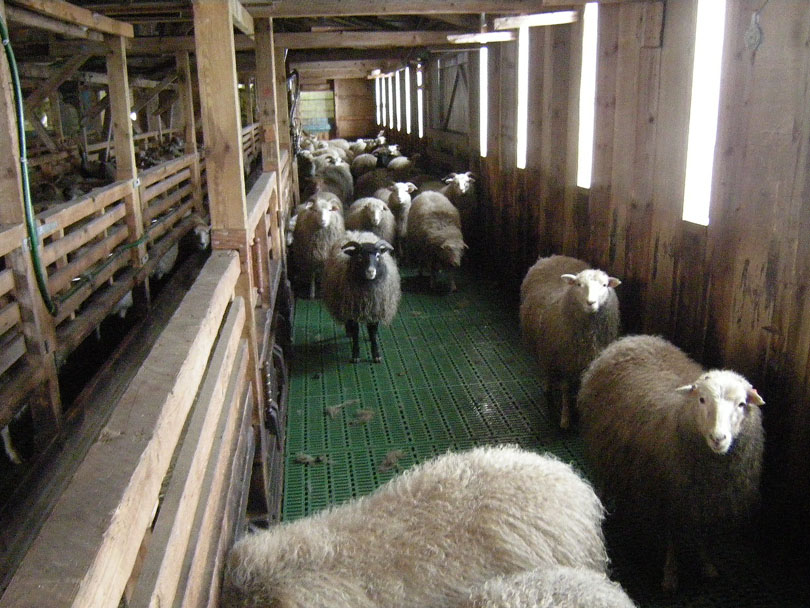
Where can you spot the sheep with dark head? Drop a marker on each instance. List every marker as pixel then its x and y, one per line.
pixel 317 227
pixel 568 313
pixel 678 448
pixel 425 538
pixel 434 239
pixel 373 215
pixel 361 285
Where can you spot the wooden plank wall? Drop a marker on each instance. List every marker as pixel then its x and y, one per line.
pixel 732 294
pixel 354 107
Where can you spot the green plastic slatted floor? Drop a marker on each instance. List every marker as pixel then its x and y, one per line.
pixel 454 375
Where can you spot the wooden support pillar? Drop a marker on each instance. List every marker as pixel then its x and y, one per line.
pixel 186 104
pixel 37 324
pixel 219 95
pixel 126 168
pixel 266 96
pixel 283 122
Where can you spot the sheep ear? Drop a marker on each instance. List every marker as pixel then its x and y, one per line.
pixel 614 282
pixel 754 398
pixel 308 204
pixel 383 246
pixel 410 186
pixel 350 247
pixel 470 175
pixel 569 278
pixel 686 388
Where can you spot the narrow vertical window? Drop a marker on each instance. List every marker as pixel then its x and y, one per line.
pixel 522 95
pixel 408 100
pixel 420 100
pixel 377 99
pixel 390 101
pixel 384 103
pixel 587 95
pixel 398 89
pixel 711 17
pixel 483 100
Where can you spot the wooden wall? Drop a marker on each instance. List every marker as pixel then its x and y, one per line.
pixel 354 108
pixel 732 294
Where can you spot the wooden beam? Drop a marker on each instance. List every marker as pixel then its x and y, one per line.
pixel 150 94
pixel 70 13
pixel 68 69
pixel 31 19
pixel 100 517
pixel 365 65
pixel 241 18
pixel 360 40
pixel 39 72
pixel 347 8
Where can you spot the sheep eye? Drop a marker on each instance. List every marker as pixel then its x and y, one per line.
pixel 702 400
pixel 742 404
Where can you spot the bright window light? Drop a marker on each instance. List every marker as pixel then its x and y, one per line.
pixel 399 101
pixel 587 95
pixel 483 100
pixel 420 101
pixel 377 98
pixel 711 15
pixel 384 104
pixel 408 100
pixel 522 95
pixel 390 101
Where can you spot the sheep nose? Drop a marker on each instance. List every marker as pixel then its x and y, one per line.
pixel 371 272
pixel 718 438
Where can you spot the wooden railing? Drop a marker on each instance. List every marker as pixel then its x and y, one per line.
pixel 167 194
pixel 195 377
pixel 251 142
pixel 12 340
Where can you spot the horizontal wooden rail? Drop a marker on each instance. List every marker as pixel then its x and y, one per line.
pixel 158 172
pixel 87 548
pixel 11 237
pixel 258 199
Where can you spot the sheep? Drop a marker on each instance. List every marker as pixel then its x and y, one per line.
pixel 318 226
pixel 398 198
pixel 460 190
pixel 361 285
pixel 371 181
pixel 165 263
pixel 678 448
pixel 568 313
pixel 373 215
pixel 363 163
pixel 123 305
pixel 426 537
pixel 336 179
pixel 434 235
pixel 554 587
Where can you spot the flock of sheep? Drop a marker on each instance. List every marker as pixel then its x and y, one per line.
pixel 677 450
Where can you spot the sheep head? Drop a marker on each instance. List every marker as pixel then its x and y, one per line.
pixel 722 400
pixel 591 287
pixel 365 259
pixel 460 182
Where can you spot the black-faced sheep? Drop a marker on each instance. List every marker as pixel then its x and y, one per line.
pixel 317 228
pixel 373 215
pixel 568 313
pixel 361 285
pixel 426 537
pixel 679 449
pixel 434 239
pixel 555 587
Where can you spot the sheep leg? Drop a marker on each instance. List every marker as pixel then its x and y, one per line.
pixel 707 567
pixel 670 580
pixel 353 329
pixel 372 336
pixel 8 446
pixel 312 287
pixel 565 406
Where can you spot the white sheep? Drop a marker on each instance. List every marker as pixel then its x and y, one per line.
pixel 568 313
pixel 165 263
pixel 426 537
pixel 318 226
pixel 555 587
pixel 123 305
pixel 434 239
pixel 363 163
pixel 398 198
pixel 361 284
pixel 678 448
pixel 373 215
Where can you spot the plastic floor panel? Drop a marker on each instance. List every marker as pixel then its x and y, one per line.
pixel 454 375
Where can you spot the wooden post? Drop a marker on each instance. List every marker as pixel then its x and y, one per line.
pixel 122 140
pixel 186 104
pixel 56 114
pixel 266 97
pixel 37 324
pixel 283 122
pixel 219 95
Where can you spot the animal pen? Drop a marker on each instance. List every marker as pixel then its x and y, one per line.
pixel 152 439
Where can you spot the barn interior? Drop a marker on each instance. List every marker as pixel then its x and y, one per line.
pixel 165 386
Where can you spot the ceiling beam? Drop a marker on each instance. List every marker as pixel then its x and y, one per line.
pixel 70 13
pixel 35 20
pixel 37 71
pixel 359 40
pixel 365 64
pixel 345 8
pixel 65 71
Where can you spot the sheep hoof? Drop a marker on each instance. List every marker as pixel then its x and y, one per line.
pixel 354 360
pixel 378 359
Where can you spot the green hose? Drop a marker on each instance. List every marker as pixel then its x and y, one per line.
pixel 30 224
